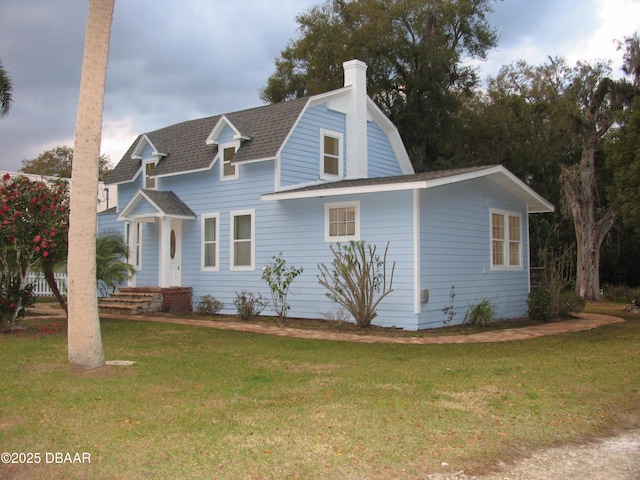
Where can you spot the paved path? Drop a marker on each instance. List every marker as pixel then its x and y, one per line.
pixel 584 321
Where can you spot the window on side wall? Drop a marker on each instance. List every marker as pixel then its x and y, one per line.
pixel 210 244
pixel 242 240
pixel 229 170
pixel 330 155
pixel 342 221
pixel 506 240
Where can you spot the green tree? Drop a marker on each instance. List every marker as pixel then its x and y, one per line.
pixel 598 100
pixel 84 337
pixel 6 90
pixel 414 51
pixel 112 268
pixel 57 162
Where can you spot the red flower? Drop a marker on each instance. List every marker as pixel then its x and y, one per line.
pixel 37 239
pixel 45 254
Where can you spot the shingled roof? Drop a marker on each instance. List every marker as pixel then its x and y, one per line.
pixel 497 173
pixel 184 144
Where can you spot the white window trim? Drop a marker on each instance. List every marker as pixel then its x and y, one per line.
pixel 221 148
pixel 330 133
pixel 216 267
pixel 344 238
pixel 232 245
pixel 506 241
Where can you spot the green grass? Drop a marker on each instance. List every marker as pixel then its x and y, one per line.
pixel 205 403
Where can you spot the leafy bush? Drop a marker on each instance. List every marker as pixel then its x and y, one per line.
pixel 209 305
pixel 480 314
pixel 570 302
pixel 540 304
pixel 14 301
pixel 620 293
pixel 357 279
pixel 279 277
pixel 249 305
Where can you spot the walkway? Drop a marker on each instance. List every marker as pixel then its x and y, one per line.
pixel 584 321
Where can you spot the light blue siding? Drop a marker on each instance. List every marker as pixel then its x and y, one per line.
pixel 455 243
pixel 300 159
pixel 296 227
pixel 107 224
pixel 144 208
pixel 382 161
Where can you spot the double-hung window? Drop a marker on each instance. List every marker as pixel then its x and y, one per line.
pixel 506 240
pixel 229 170
pixel 342 221
pixel 242 240
pixel 210 243
pixel 149 181
pixel 330 155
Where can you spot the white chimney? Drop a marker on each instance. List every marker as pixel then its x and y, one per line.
pixel 355 76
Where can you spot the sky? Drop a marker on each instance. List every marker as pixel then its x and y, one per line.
pixel 172 61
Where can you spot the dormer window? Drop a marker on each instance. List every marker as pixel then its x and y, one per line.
pixel 330 155
pixel 228 169
pixel 149 181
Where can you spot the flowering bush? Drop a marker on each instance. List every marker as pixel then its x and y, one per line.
pixel 34 226
pixel 249 305
pixel 14 300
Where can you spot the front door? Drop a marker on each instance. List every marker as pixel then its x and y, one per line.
pixel 175 253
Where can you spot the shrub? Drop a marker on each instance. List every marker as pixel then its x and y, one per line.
pixel 249 305
pixel 620 293
pixel 357 279
pixel 209 305
pixel 279 277
pixel 14 301
pixel 480 314
pixel 570 302
pixel 540 304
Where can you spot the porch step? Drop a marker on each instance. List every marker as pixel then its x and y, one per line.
pixel 129 301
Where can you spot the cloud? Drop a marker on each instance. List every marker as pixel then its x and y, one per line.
pixel 172 61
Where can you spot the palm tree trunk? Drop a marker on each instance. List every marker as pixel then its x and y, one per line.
pixel 85 340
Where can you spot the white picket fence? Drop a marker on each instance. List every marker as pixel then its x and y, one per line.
pixel 40 286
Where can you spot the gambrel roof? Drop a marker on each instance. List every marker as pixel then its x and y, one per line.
pixel 183 147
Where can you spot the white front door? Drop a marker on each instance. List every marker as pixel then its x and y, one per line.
pixel 175 253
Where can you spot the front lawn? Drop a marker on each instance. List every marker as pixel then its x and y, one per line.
pixel 207 403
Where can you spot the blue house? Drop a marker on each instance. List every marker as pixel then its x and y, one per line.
pixel 206 203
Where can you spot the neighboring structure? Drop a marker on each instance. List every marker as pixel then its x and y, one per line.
pixel 207 203
pixel 106 194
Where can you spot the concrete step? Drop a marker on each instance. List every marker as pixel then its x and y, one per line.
pixel 131 302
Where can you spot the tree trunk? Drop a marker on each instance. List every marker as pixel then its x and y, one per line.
pixel 50 277
pixel 85 340
pixel 579 187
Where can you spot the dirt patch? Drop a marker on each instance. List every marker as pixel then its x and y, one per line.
pixel 615 458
